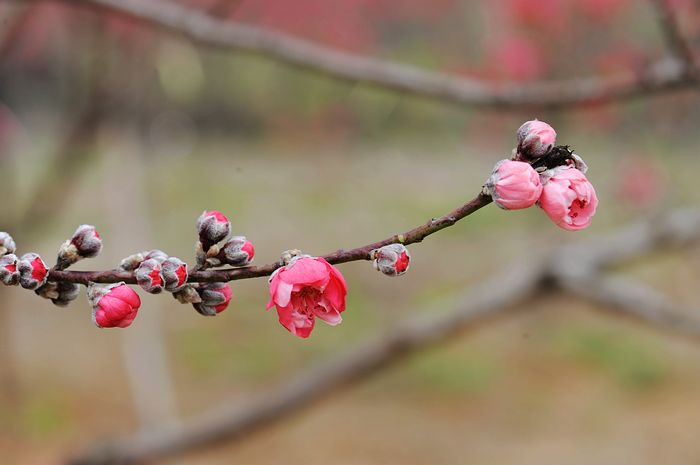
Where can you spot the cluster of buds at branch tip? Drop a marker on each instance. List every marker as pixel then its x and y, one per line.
pixel 85 243
pixel 391 260
pixel 7 244
pixel 553 177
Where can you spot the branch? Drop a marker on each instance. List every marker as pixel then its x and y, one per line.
pixel 678 45
pixel 341 256
pixel 666 75
pixel 495 297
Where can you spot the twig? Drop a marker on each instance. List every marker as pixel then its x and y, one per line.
pixel 496 297
pixel 678 44
pixel 341 256
pixel 664 76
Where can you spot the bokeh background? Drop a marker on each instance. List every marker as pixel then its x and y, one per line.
pixel 108 121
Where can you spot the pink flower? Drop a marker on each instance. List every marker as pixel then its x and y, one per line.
pixel 568 198
pixel 535 139
pixel 514 185
pixel 113 306
pixel 306 288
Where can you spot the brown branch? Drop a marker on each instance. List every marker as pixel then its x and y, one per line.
pixel 203 28
pixel 495 297
pixel 678 44
pixel 341 256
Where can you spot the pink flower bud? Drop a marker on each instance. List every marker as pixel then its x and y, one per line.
pixel 392 260
pixel 535 139
pixel 215 298
pixel 212 227
pixel 149 277
pixel 514 185
pixel 306 288
pixel 115 305
pixel 32 271
pixel 87 241
pixel 174 274
pixel 237 252
pixel 155 254
pixel 568 198
pixel 7 244
pixel 8 270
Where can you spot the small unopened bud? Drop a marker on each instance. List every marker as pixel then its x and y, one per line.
pixel 8 270
pixel 149 277
pixel 514 185
pixel 215 298
pixel 187 295
pixel 535 139
pixel 392 259
pixel 131 262
pixel 238 251
pixel 85 243
pixel 155 254
pixel 32 271
pixel 212 227
pixel 174 273
pixel 7 244
pixel 67 292
pixel 114 305
pixel 289 255
pixel 48 290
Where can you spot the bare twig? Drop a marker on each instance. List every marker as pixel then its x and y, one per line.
pixel 496 297
pixel 341 256
pixel 667 75
pixel 678 44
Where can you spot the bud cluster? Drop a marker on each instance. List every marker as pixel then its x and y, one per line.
pixel 553 177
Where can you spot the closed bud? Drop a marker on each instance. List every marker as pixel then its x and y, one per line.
pixel 392 259
pixel 114 305
pixel 32 271
pixel 514 185
pixel 131 262
pixel 535 139
pixel 8 270
pixel 174 273
pixel 155 254
pixel 7 244
pixel 87 241
pixel 187 295
pixel 212 227
pixel 149 277
pixel 238 251
pixel 48 290
pixel 215 298
pixel 67 292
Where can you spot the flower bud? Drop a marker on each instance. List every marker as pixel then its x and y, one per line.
pixel 568 198
pixel 115 305
pixel 187 295
pixel 514 185
pixel 32 271
pixel 7 244
pixel 67 292
pixel 8 270
pixel 535 139
pixel 85 243
pixel 212 227
pixel 215 298
pixel 155 254
pixel 392 259
pixel 131 262
pixel 174 273
pixel 149 277
pixel 238 251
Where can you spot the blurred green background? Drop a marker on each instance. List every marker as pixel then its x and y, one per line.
pixel 107 121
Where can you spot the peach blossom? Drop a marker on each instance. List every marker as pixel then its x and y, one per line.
pixel 568 198
pixel 514 185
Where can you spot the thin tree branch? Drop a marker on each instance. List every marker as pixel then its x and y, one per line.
pixel 495 297
pixel 666 75
pixel 416 234
pixel 673 35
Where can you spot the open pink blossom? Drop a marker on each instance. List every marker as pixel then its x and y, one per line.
pixel 568 198
pixel 514 185
pixel 306 288
pixel 113 306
